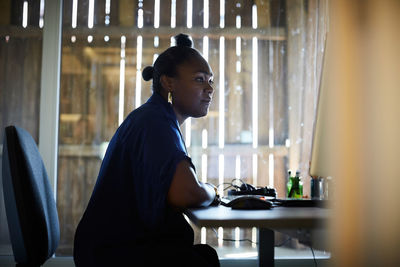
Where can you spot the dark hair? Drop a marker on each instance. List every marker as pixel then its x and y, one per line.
pixel 167 61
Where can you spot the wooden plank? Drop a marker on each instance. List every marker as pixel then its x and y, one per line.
pixel 181 11
pixel 148 14
pixel 16 12
pixel 67 13
pixel 128 12
pixel 31 86
pixel 99 13
pixel 114 13
pixel 240 8
pixel 34 13
pixel 296 34
pixel 82 14
pixel 198 13
pixel 213 60
pixel 14 80
pixel 236 96
pixel 263 13
pixel 3 85
pixel 278 34
pixel 280 92
pixel 278 12
pixel 264 90
pixel 214 14
pixel 165 13
pixel 5 12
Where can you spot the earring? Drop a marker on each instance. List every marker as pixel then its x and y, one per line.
pixel 169 97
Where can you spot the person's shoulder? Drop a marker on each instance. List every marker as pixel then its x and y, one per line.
pixel 148 120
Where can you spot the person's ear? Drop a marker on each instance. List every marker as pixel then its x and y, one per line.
pixel 167 83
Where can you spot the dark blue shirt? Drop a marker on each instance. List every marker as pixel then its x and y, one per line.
pixel 128 207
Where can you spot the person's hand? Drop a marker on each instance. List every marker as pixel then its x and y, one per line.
pixel 217 199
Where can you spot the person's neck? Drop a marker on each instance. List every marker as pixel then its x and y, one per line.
pixel 181 119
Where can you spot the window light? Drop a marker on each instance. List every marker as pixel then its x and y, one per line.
pixel 41 14
pixel 156 41
pixel 221 122
pixel 156 14
pixel 238 22
pixel 205 47
pixel 74 13
pixel 221 13
pixel 206 15
pixel 173 13
pixel 140 18
pixel 204 168
pixel 255 92
pixel 188 130
pixel 271 170
pixel 254 17
pixel 90 14
pixel 255 169
pixel 189 12
pixel 25 14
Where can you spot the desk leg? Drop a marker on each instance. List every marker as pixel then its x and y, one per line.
pixel 266 240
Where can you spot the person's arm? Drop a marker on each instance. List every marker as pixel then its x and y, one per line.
pixel 186 191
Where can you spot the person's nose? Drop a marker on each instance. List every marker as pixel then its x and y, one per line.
pixel 209 89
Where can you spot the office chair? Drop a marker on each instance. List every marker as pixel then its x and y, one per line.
pixel 30 206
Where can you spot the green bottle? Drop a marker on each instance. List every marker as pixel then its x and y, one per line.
pixel 294 186
pixel 289 185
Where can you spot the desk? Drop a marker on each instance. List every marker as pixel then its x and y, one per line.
pixel 278 218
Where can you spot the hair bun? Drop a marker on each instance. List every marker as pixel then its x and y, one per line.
pixel 183 40
pixel 147 73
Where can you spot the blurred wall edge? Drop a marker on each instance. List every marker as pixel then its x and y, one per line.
pixel 364 88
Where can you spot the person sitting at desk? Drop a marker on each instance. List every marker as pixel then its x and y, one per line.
pixel 134 216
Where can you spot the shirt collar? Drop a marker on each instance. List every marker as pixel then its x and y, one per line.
pixel 169 113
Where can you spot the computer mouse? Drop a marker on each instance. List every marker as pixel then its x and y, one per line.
pixel 250 203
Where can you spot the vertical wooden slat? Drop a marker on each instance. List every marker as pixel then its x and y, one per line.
pixel 3 55
pixel 33 13
pixel 198 13
pixel 99 13
pixel 130 78
pixel 214 13
pixel 114 13
pixel 279 11
pixel 67 13
pixel 309 94
pixel 235 96
pixel 16 12
pixel 15 80
pixel 127 12
pixel 279 82
pixel 148 13
pixel 264 82
pixel 181 8
pixel 165 13
pixel 296 34
pixel 82 13
pixel 263 13
pixel 5 12
pixel 31 87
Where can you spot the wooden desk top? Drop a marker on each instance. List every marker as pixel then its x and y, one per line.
pixel 275 218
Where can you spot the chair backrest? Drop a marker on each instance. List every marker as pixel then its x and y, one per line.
pixel 29 201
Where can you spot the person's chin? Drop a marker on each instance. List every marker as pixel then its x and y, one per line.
pixel 201 114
